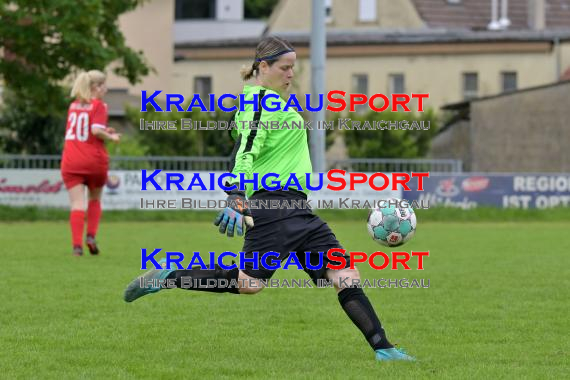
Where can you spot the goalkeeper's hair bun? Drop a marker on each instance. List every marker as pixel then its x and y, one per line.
pixel 268 49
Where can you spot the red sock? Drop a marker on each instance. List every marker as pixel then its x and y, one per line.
pixel 93 217
pixel 77 220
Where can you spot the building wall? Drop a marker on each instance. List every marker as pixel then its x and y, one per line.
pixel 389 14
pixel 290 15
pixel 524 132
pixel 440 75
pixel 398 14
pixel 225 75
pixel 149 28
pixel 453 143
pixel 295 15
pixel 564 57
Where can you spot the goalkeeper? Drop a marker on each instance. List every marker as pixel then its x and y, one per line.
pixel 281 151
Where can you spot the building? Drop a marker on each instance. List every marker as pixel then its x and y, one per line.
pixel 453 50
pixel 149 29
pixel 158 26
pixel 520 131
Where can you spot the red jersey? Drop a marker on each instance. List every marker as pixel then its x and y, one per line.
pixel 83 152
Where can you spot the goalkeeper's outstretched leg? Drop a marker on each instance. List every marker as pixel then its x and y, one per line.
pixel 218 280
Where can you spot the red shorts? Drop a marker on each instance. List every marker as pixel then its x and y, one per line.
pixel 91 180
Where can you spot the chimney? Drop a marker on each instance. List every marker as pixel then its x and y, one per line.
pixel 494 24
pixel 504 22
pixel 536 14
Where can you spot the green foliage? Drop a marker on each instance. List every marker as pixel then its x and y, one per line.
pixel 260 9
pixel 390 143
pixel 27 131
pixel 129 146
pixel 183 142
pixel 44 42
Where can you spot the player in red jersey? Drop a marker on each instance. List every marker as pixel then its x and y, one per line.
pixel 85 160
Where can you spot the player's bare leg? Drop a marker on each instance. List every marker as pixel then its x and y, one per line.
pixel 93 218
pixel 359 309
pixel 249 285
pixel 77 217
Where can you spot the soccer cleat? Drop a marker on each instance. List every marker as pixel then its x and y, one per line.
pixel 147 283
pixel 77 251
pixel 92 245
pixel 389 354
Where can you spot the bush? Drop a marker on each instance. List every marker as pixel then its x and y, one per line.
pixel 183 142
pixel 29 130
pixel 390 143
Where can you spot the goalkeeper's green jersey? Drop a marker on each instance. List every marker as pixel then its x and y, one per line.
pixel 264 150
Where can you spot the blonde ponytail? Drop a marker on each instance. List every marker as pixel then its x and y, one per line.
pixel 82 86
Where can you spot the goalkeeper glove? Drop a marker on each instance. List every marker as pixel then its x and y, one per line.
pixel 234 215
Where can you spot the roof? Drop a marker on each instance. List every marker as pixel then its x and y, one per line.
pixel 202 30
pixel 463 109
pixel 382 36
pixel 476 14
pixel 465 104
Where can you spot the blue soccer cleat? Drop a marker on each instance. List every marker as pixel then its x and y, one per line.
pixel 147 283
pixel 389 354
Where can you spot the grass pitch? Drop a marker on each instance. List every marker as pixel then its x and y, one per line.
pixel 497 307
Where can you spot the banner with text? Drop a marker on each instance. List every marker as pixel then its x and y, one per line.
pixel 521 190
pixel 45 188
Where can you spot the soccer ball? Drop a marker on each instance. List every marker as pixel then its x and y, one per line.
pixel 392 223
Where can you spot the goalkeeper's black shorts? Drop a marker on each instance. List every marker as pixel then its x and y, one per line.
pixel 285 230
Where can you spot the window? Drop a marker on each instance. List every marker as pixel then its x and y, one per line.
pixel 470 86
pixel 397 84
pixel 195 9
pixel 360 86
pixel 203 86
pixel 509 81
pixel 328 11
pixel 366 10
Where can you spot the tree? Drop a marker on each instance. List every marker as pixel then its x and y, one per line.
pixel 44 42
pixel 259 9
pixel 390 143
pixel 190 142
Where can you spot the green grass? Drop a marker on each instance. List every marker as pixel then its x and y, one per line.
pixel 497 308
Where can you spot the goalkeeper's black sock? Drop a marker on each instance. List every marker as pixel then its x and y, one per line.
pixel 221 280
pixel 360 311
